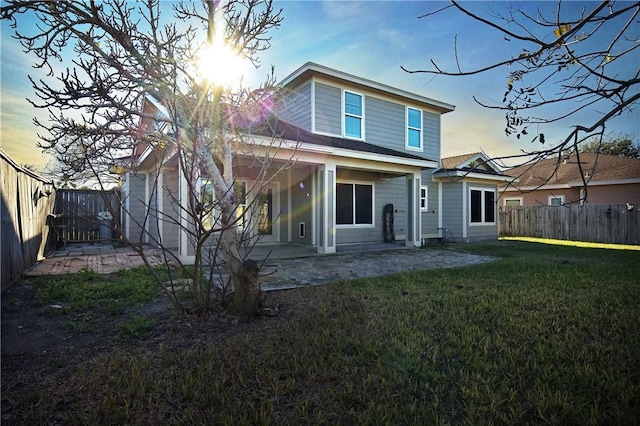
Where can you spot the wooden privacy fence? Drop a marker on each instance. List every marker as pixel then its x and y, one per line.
pixel 27 201
pixel 87 215
pixel 601 223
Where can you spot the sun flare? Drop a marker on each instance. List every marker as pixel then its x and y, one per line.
pixel 219 64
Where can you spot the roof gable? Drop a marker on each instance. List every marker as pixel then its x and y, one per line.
pixel 476 165
pixel 476 161
pixel 310 69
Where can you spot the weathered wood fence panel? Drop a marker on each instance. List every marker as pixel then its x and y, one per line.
pixel 81 214
pixel 27 201
pixel 602 223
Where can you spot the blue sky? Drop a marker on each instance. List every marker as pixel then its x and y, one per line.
pixel 370 39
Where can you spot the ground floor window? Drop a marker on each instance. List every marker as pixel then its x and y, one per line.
pixel 354 204
pixel 207 209
pixel 424 191
pixel 208 203
pixel 513 202
pixel 240 189
pixel 556 200
pixel 482 205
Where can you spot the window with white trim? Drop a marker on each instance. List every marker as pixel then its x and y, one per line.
pixel 556 200
pixel 424 203
pixel 240 188
pixel 353 115
pixel 207 198
pixel 482 206
pixel 512 202
pixel 414 129
pixel 354 203
pixel 209 215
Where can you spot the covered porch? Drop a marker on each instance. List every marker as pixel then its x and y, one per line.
pixel 327 201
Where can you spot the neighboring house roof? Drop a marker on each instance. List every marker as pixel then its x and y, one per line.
pixel 597 169
pixel 311 69
pixel 475 165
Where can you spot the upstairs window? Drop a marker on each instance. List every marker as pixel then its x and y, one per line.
pixel 352 115
pixel 482 206
pixel 414 129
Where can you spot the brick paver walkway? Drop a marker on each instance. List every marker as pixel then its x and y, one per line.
pixel 101 258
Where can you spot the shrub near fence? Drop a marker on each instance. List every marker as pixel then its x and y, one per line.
pixel 600 223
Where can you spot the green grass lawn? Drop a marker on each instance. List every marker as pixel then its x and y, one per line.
pixel 546 334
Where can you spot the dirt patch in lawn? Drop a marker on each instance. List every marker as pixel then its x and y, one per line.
pixel 38 342
pixel 30 328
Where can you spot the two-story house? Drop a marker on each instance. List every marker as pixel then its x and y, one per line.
pixel 359 146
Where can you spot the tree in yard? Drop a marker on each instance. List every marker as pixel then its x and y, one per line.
pixel 123 54
pixel 621 145
pixel 582 60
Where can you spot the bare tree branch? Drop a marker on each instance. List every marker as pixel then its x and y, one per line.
pixel 121 54
pixel 586 61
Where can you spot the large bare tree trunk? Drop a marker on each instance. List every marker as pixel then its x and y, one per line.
pixel 244 273
pixel 247 295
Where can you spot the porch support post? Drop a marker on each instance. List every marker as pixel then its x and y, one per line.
pixel 183 197
pixel 414 217
pixel 327 201
pixel 125 211
pixel 147 204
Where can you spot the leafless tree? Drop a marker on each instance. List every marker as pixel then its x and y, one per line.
pixel 118 55
pixel 585 62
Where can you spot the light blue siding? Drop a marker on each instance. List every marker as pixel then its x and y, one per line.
pixel 170 229
pixel 154 231
pixel 479 232
pixel 452 208
pixel 328 109
pixel 431 135
pixel 454 219
pixel 301 204
pixel 430 223
pixel 135 217
pixel 386 126
pixel 384 123
pixel 392 191
pixel 295 107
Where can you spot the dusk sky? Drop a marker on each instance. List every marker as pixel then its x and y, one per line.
pixel 367 39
